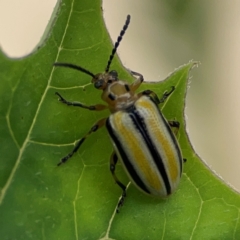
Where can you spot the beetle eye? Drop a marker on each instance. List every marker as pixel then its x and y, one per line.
pixel 99 83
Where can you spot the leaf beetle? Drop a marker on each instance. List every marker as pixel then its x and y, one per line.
pixel 142 138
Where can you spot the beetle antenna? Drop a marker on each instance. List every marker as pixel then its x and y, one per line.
pixel 119 39
pixel 69 65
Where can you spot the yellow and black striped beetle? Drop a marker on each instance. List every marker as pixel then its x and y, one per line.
pixel 142 138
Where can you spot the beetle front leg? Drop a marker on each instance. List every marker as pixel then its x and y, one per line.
pixel 97 107
pixel 113 162
pixel 94 128
pixel 136 84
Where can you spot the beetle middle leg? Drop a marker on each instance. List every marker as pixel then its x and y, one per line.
pixel 154 96
pixel 94 128
pixel 113 162
pixel 97 107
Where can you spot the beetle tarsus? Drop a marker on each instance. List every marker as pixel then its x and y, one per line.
pixel 166 95
pixel 61 99
pixel 64 159
pixel 121 201
pixel 60 163
pixel 170 92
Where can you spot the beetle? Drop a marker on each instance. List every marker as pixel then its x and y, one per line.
pixel 142 138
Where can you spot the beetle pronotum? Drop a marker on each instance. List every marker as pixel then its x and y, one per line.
pixel 141 136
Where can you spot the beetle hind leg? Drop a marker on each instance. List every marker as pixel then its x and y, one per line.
pixel 174 125
pixel 113 162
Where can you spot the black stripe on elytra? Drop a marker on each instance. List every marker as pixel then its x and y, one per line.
pixel 140 125
pixel 174 140
pixel 130 168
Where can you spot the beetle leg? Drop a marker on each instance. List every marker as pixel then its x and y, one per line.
pixel 113 162
pixel 166 95
pixel 151 94
pixel 94 128
pixel 154 96
pixel 135 85
pixel 97 107
pixel 174 124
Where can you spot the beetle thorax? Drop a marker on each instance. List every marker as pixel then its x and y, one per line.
pixel 119 96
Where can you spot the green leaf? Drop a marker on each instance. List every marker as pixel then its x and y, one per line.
pixel 78 200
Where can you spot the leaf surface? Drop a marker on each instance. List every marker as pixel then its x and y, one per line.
pixel 78 200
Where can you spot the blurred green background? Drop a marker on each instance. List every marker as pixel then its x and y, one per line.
pixel 163 35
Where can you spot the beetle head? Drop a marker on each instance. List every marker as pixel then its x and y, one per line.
pixel 102 80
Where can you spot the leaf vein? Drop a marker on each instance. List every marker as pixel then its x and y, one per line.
pixel 25 143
